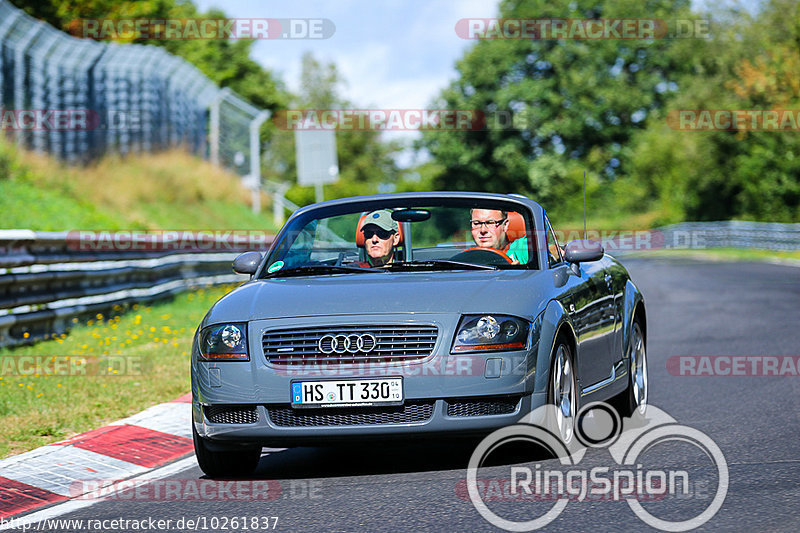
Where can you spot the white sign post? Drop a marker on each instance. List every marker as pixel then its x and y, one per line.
pixel 317 162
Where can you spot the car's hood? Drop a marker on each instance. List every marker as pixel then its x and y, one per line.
pixel 518 292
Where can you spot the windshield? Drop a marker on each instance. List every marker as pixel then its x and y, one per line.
pixel 438 234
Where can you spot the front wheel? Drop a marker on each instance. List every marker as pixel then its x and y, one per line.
pixel 563 392
pixel 226 464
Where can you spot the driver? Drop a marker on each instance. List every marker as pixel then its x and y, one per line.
pixel 489 227
pixel 381 235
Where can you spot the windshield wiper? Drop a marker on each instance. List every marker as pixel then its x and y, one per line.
pixel 321 269
pixel 437 264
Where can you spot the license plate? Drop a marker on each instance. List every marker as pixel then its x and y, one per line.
pixel 352 392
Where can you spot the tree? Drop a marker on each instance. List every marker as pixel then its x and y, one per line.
pixel 575 102
pixel 749 64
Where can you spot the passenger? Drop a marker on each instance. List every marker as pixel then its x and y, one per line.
pixel 381 235
pixel 489 230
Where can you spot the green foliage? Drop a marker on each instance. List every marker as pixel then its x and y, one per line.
pixel 749 64
pixel 575 103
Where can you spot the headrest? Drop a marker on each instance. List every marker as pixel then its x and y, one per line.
pixel 516 226
pixel 360 234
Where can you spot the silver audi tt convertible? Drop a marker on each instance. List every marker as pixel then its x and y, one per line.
pixel 412 315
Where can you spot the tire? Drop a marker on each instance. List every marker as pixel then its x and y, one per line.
pixel 225 464
pixel 562 392
pixel 633 402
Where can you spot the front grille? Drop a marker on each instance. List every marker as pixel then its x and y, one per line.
pixel 351 416
pixel 395 343
pixel 231 414
pixel 482 406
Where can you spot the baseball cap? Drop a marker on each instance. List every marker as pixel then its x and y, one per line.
pixel 381 218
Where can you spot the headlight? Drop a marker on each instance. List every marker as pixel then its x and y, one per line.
pixel 489 333
pixel 224 342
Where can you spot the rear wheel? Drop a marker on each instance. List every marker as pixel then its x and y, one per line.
pixel 634 400
pixel 215 464
pixel 563 392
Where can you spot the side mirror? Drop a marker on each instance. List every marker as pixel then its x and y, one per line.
pixel 247 263
pixel 583 251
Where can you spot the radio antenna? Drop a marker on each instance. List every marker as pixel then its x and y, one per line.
pixel 584 205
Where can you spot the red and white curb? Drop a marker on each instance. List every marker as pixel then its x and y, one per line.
pixel 129 447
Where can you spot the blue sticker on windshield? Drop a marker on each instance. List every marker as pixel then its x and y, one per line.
pixel 277 265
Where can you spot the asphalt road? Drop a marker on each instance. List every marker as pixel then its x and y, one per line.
pixel 694 308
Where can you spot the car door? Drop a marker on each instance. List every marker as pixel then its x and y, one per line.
pixel 590 305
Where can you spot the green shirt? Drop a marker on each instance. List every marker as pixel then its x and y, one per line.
pixel 518 250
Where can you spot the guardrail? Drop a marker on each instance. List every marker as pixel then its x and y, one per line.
pixel 47 279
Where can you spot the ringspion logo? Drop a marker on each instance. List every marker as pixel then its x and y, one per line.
pixel 697 481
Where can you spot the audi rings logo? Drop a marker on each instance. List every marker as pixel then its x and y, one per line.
pixel 352 343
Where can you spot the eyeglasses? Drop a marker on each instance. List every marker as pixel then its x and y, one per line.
pixel 381 233
pixel 488 223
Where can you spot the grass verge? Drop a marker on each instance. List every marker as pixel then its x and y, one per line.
pixel 119 364
pixel 168 190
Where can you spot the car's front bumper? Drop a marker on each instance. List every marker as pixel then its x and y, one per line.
pixel 271 430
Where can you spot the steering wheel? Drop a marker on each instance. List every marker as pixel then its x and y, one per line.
pixel 482 256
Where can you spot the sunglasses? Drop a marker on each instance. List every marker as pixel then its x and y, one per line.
pixel 381 233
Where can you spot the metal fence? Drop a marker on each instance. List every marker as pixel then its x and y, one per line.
pixel 79 99
pixel 733 234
